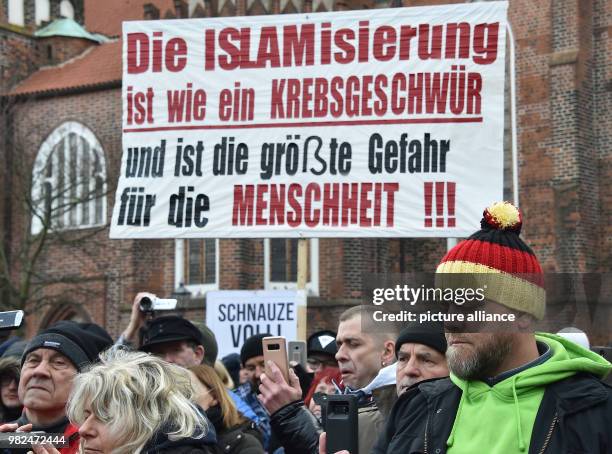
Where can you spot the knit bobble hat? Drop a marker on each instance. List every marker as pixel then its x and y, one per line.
pixel 497 248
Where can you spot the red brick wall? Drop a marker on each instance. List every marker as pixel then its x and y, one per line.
pixel 19 56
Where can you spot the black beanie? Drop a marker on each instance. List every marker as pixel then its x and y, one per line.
pixel 81 343
pixel 232 364
pixel 430 334
pixel 252 347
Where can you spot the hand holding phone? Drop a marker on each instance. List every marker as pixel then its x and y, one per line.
pixel 341 424
pixel 275 350
pixel 323 445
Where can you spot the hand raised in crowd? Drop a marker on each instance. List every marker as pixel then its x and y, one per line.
pixel 14 427
pixel 43 449
pixel 323 445
pixel 276 392
pixel 137 319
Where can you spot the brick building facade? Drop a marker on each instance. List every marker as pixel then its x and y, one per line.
pixel 564 89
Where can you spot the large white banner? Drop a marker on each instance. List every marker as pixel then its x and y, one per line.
pixel 378 123
pixel 236 315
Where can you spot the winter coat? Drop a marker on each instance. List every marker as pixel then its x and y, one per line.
pixel 249 396
pixel 241 439
pixel 573 415
pixel 161 444
pixel 296 429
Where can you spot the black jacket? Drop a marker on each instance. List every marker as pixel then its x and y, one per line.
pixel 573 418
pixel 160 444
pixel 296 429
pixel 241 439
pixel 238 440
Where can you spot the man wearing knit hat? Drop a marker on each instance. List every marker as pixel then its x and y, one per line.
pixel 420 350
pixel 251 357
pixel 508 392
pixel 50 362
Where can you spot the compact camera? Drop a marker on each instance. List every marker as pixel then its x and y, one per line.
pixel 152 304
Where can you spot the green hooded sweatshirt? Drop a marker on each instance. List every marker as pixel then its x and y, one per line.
pixel 499 419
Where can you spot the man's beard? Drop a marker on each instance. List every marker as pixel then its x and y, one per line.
pixel 481 360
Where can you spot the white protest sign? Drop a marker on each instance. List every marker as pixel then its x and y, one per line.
pixel 236 315
pixel 377 123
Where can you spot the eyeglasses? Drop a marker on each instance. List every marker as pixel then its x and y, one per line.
pixel 316 363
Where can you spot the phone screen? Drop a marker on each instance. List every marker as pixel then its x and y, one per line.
pixel 11 319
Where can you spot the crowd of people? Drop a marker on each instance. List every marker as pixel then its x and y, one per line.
pixel 433 388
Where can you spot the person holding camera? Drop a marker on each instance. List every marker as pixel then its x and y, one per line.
pixel 172 338
pixel 177 341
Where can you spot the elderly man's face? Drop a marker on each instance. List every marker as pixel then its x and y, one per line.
pixel 46 380
pixel 418 362
pixel 180 353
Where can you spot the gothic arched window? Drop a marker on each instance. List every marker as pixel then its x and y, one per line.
pixel 69 180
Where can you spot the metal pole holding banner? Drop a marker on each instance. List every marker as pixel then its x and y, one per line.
pixel 302 277
pixel 515 178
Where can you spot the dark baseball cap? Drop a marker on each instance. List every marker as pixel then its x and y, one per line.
pixel 169 328
pixel 322 342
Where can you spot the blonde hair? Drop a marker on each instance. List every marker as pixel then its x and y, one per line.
pixel 136 395
pixel 224 375
pixel 211 380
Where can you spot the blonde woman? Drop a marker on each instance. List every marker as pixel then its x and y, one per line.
pixel 135 403
pixel 234 433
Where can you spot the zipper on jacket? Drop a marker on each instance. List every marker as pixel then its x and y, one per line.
pixel 549 434
pixel 425 441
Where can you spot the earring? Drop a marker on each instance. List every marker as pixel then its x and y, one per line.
pixel 383 364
